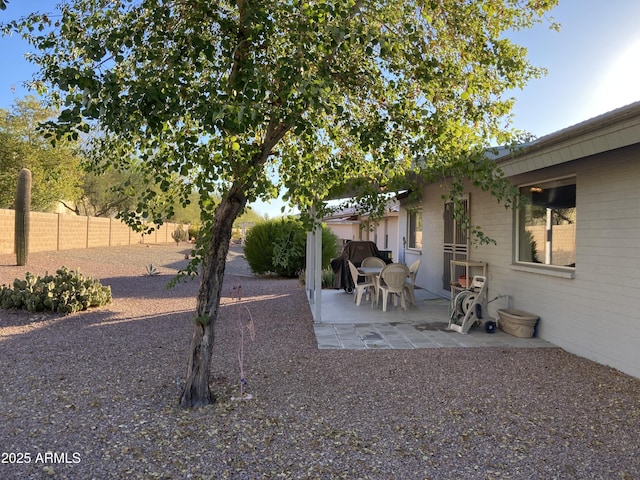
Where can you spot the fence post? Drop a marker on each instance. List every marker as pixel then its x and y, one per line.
pixel 58 232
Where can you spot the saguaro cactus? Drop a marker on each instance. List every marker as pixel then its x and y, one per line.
pixel 22 207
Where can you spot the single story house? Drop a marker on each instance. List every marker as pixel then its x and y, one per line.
pixel 571 255
pixel 349 225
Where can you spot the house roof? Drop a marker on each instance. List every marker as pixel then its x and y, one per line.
pixel 351 215
pixel 615 129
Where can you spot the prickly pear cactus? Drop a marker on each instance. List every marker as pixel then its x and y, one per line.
pixel 22 209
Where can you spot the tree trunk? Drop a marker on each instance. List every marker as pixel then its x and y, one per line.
pixel 196 391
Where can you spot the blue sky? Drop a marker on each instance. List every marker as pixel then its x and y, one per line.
pixel 593 64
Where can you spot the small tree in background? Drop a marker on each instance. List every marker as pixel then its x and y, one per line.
pixel 180 235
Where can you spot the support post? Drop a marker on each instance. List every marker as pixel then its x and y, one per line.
pixel 313 272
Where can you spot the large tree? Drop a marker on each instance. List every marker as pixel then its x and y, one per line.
pixel 241 97
pixel 106 193
pixel 56 169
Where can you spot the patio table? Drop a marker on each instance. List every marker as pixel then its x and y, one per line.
pixel 375 273
pixel 370 271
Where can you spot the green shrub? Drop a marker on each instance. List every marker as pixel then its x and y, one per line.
pixel 258 246
pixel 180 235
pixel 289 248
pixel 279 246
pixel 194 230
pixel 327 277
pixel 66 292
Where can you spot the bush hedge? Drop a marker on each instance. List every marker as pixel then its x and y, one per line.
pixel 66 292
pixel 278 246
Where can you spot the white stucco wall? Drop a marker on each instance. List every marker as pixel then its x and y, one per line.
pixel 595 314
pixel 378 235
pixel 345 231
pixel 352 231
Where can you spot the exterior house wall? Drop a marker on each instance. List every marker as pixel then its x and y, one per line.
pixel 401 237
pixel 344 231
pixel 388 227
pixel 406 254
pixel 591 311
pixel 352 230
pixel 392 235
pixel 431 253
pixel 483 212
pixel 604 295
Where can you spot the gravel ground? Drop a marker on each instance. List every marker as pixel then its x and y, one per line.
pixel 94 394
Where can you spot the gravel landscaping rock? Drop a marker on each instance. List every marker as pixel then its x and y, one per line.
pixel 94 394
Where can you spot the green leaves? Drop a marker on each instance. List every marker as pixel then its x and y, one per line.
pixel 310 96
pixel 278 246
pixel 56 172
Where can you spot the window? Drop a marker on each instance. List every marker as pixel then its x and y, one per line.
pixel 415 229
pixel 547 223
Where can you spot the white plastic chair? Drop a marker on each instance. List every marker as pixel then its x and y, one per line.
pixel 360 288
pixel 410 283
pixel 392 281
pixel 373 262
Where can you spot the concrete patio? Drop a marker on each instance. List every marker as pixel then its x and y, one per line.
pixel 344 325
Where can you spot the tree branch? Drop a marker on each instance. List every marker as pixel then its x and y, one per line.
pixel 74 210
pixel 240 52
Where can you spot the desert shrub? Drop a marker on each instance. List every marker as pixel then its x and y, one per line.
pixel 330 247
pixel 289 248
pixel 258 246
pixel 279 246
pixel 180 235
pixel 194 230
pixel 327 277
pixel 66 292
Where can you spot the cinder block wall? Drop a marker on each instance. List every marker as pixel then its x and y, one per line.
pixel 121 234
pixel 98 232
pixel 72 232
pixel 163 234
pixel 7 231
pixel 43 232
pixel 56 231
